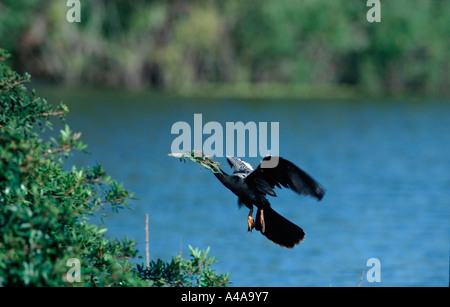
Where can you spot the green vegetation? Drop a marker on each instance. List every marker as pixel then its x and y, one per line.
pixel 45 209
pixel 199 157
pixel 187 273
pixel 249 48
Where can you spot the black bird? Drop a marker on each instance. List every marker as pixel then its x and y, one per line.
pixel 251 187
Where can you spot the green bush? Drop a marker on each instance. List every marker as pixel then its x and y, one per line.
pixel 237 46
pixel 45 209
pixel 180 272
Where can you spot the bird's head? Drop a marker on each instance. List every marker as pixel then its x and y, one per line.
pixel 238 164
pixel 232 160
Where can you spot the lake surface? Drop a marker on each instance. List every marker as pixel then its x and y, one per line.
pixel 385 165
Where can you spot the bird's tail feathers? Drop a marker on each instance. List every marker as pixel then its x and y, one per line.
pixel 278 229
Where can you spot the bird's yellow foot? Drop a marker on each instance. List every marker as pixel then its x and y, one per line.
pixel 251 223
pixel 263 224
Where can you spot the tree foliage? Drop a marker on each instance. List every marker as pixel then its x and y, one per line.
pixel 45 209
pixel 186 273
pixel 188 46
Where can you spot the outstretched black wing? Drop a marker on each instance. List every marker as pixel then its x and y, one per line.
pixel 284 174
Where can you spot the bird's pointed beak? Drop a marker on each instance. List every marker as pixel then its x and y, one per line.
pixel 233 161
pixel 230 161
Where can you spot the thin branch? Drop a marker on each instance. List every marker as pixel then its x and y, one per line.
pixel 20 81
pixel 361 278
pixel 199 157
pixel 47 114
pixel 59 149
pixel 115 200
pixel 147 252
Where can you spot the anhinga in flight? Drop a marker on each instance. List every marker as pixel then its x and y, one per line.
pixel 251 187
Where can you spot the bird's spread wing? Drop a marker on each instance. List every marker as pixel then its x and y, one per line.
pixel 285 174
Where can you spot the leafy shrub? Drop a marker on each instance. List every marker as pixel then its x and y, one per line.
pixel 248 46
pixel 180 272
pixel 44 209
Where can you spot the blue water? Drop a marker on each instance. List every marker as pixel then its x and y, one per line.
pixel 385 165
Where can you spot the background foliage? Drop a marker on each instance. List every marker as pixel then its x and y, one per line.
pixel 45 209
pixel 253 47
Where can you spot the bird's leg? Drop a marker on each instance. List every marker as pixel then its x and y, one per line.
pixel 251 223
pixel 263 224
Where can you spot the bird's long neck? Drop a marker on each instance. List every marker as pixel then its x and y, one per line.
pixel 224 178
